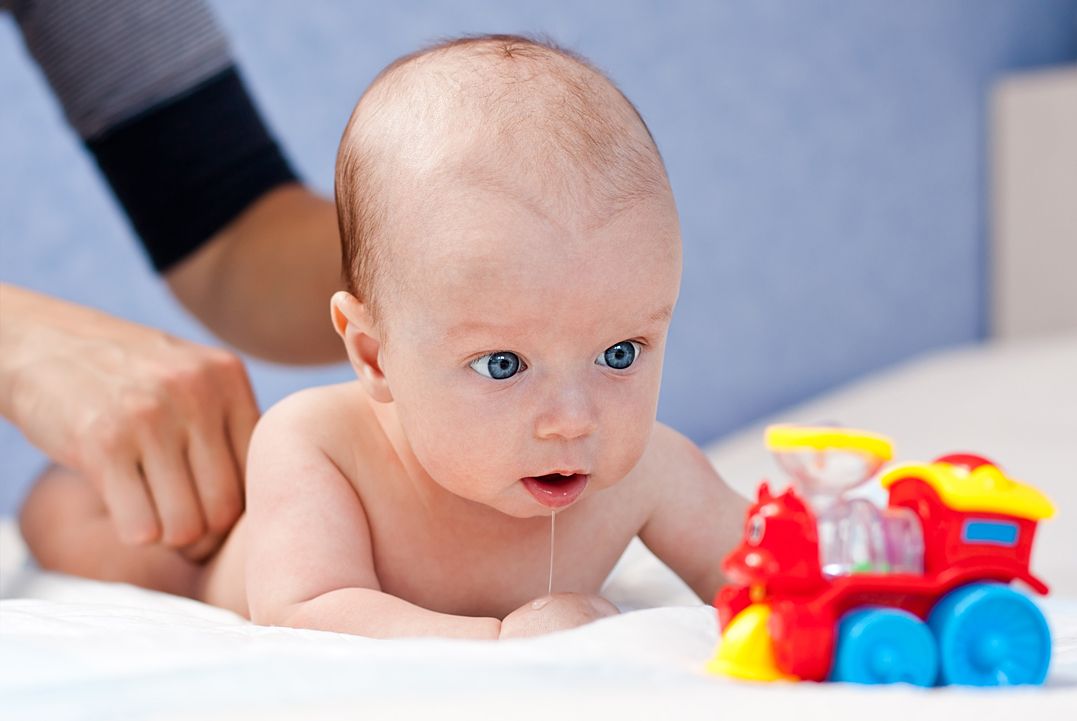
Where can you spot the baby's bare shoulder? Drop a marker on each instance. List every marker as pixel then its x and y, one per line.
pixel 313 403
pixel 315 414
pixel 671 461
pixel 330 419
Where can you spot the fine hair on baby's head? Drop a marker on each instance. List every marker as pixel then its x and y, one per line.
pixel 503 112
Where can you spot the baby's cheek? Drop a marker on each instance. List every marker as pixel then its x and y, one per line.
pixel 461 444
pixel 627 450
pixel 627 431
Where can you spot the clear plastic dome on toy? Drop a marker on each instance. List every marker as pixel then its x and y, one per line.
pixel 826 461
pixel 855 535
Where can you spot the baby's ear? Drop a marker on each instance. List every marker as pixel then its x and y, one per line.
pixel 361 339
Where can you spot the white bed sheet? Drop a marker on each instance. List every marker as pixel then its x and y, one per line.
pixel 71 648
pixel 77 649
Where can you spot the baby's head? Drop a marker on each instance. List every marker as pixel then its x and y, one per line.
pixel 512 255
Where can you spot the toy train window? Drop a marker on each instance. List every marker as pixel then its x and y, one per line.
pixel 998 533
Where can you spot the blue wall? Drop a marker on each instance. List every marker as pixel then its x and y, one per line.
pixel 828 159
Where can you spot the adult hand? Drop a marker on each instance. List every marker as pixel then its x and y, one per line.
pixel 158 425
pixel 555 613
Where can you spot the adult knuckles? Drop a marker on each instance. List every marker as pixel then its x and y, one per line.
pixel 229 363
pixel 223 513
pixel 139 530
pixel 182 530
pixel 202 376
pixel 106 437
pixel 191 378
pixel 222 501
pixel 143 408
pixel 230 372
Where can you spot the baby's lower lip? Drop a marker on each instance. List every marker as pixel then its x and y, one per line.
pixel 554 490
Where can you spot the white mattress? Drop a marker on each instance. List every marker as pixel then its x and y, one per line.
pixel 71 648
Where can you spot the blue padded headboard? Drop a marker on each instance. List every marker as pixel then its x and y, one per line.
pixel 828 159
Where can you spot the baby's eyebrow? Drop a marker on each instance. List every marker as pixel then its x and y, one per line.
pixel 662 314
pixel 463 329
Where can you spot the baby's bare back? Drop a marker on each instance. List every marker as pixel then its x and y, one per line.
pixel 444 554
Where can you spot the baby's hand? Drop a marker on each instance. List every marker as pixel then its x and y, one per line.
pixel 555 613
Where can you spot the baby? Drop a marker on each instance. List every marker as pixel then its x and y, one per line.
pixel 512 257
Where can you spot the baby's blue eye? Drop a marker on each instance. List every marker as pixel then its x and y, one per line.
pixel 499 366
pixel 620 355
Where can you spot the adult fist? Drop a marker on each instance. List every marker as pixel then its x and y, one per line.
pixel 158 425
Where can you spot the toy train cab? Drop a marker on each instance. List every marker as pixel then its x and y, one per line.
pixel 826 587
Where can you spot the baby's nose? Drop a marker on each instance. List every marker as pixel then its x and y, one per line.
pixel 568 415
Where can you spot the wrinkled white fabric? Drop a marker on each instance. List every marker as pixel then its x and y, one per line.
pixel 71 648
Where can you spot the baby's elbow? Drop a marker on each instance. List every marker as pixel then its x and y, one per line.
pixel 270 614
pixel 268 606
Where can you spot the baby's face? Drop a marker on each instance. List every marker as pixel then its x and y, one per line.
pixel 524 347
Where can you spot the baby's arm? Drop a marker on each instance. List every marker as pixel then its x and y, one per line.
pixel 309 557
pixel 697 519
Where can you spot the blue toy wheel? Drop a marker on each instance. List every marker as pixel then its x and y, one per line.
pixel 884 645
pixel 990 635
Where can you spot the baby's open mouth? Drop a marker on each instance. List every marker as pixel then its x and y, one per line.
pixel 556 490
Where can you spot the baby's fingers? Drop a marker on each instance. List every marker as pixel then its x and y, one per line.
pixel 602 607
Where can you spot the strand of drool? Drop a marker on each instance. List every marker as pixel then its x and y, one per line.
pixel 553 519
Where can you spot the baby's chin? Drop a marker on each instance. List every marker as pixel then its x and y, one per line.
pixel 522 512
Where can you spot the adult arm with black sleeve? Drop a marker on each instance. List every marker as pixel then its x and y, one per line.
pixel 157 424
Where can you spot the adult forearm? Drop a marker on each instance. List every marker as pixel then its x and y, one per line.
pixel 14 325
pixel 31 324
pixel 367 612
pixel 263 283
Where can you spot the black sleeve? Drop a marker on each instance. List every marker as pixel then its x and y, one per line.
pixel 152 89
pixel 186 168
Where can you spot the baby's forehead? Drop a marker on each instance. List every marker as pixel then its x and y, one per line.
pixel 488 250
pixel 487 217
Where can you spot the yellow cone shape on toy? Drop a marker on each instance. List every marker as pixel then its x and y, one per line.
pixel 746 650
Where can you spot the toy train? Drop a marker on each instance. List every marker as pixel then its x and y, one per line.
pixel 825 587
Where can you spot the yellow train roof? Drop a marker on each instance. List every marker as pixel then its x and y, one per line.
pixel 787 437
pixel 985 489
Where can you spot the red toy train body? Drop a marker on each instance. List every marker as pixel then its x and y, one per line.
pixel 956 622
